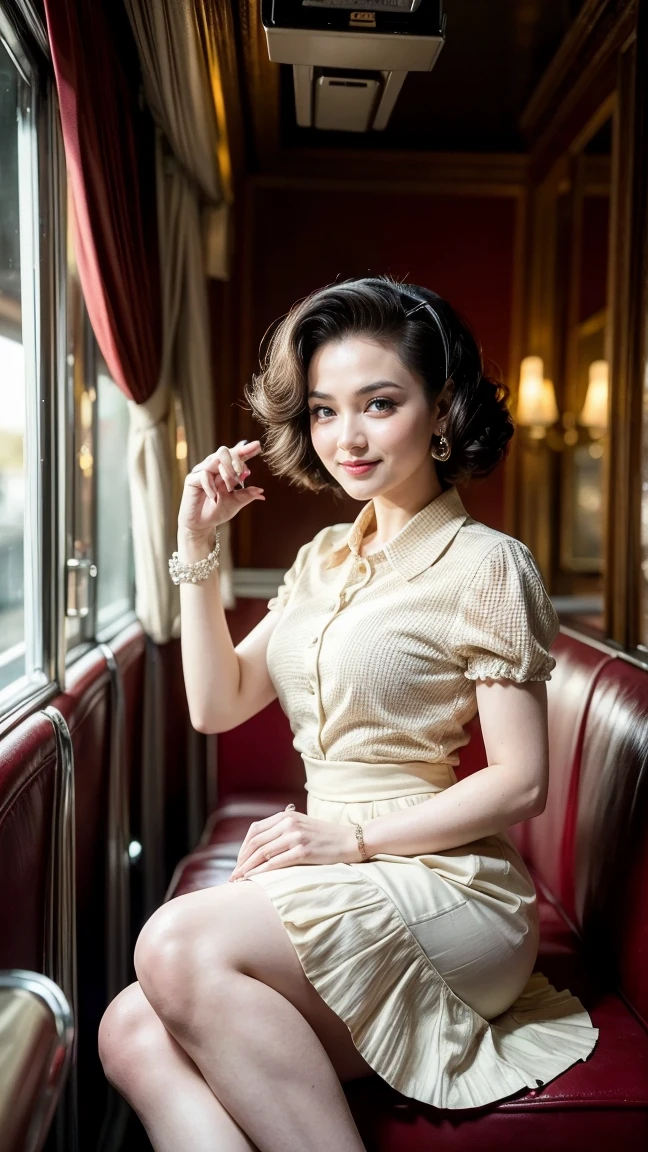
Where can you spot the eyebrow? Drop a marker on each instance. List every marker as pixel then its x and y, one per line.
pixel 360 391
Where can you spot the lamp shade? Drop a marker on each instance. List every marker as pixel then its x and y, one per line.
pixel 536 403
pixel 594 413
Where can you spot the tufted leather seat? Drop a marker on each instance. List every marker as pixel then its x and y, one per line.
pixel 588 855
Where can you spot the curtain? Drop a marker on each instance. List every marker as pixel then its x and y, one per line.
pixel 117 207
pixel 109 159
pixel 178 50
pixel 190 191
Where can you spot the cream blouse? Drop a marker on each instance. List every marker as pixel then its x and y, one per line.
pixel 374 659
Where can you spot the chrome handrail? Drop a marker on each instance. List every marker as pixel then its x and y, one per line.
pixel 61 936
pixel 25 1119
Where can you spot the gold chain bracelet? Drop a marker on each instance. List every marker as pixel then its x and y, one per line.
pixel 361 843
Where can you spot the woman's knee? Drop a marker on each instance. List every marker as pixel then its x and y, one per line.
pixel 162 955
pixel 129 1032
pixel 177 963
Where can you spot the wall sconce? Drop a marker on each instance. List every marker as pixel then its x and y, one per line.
pixel 595 409
pixel 536 406
pixel 538 412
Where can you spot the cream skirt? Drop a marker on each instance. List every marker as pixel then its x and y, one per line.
pixel 429 961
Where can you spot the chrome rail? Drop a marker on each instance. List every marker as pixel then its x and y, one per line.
pixel 36 1045
pixel 61 935
pixel 117 887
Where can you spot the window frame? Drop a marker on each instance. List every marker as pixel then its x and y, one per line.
pixel 43 315
pixel 75 647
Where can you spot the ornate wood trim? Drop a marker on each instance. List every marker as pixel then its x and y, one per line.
pixel 429 173
pixel 597 33
pixel 628 272
pixel 575 86
pixel 521 248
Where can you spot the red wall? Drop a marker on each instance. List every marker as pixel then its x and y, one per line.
pixel 460 246
pixel 594 256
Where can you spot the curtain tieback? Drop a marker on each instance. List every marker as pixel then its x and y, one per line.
pixel 144 417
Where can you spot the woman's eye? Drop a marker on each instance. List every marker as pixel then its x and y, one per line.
pixel 323 411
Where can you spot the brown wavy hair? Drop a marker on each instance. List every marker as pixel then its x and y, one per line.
pixel 478 423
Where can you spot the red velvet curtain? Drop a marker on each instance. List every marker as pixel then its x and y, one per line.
pixel 109 155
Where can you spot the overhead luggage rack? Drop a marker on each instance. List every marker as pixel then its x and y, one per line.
pixel 349 63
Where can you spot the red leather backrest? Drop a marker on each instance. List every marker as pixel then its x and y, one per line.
pixel 259 756
pixel 129 650
pixel 548 840
pixel 27 790
pixel 85 704
pixel 86 707
pixel 176 726
pixel 609 895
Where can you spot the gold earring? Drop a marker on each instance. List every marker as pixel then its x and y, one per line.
pixel 444 446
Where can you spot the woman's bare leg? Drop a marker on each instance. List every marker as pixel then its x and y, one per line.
pixel 221 972
pixel 160 1082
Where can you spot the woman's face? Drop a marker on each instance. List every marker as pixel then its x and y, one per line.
pixel 368 409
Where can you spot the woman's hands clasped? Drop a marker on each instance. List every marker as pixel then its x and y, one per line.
pixel 214 490
pixel 291 837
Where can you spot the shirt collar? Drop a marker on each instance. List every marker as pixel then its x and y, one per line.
pixel 420 542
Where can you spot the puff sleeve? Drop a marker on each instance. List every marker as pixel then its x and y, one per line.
pixel 506 621
pixel 279 601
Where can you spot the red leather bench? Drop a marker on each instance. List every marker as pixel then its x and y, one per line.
pixel 588 855
pixel 37 913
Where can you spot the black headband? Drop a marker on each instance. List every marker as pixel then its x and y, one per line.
pixel 428 307
pixel 437 320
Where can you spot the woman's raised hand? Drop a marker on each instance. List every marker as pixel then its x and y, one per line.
pixel 212 490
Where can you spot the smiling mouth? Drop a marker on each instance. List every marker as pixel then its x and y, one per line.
pixel 359 465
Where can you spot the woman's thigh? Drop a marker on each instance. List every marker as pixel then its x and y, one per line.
pixel 237 927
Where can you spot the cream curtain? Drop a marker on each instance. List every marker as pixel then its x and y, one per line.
pixel 153 513
pixel 190 202
pixel 179 59
pixel 153 470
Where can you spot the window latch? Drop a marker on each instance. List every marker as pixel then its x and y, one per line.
pixel 79 575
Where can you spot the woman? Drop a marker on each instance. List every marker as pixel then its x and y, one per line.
pixel 393 928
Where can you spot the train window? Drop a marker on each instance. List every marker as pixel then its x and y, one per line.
pixel 21 648
pixel 82 394
pixel 116 578
pixel 101 577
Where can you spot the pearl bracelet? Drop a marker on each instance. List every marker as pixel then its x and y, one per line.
pixel 182 573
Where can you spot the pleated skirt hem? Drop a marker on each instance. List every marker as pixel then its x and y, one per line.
pixel 404 1019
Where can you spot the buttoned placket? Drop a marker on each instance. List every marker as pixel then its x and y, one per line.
pixel 357 577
